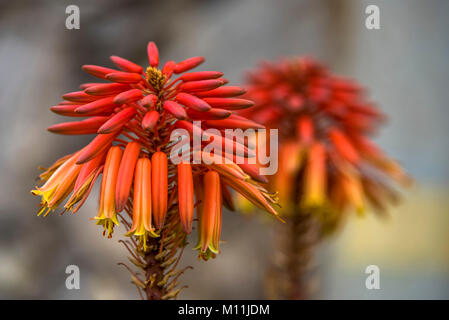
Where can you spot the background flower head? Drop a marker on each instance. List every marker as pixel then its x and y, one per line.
pixel 328 162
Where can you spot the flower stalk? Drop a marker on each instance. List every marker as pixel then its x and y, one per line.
pixel 157 261
pixel 292 272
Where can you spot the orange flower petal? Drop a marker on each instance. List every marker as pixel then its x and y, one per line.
pixel 201 75
pixel 210 210
pixel 175 110
pixel 305 129
pixel 97 71
pixel 125 174
pixel 228 103
pixel 124 77
pixel 222 92
pixel 98 106
pixel 128 96
pixel 95 147
pixel 105 89
pixel 107 215
pixel 126 65
pixel 202 85
pixel 150 120
pixel 185 195
pixel 188 64
pixel 212 114
pixel 153 54
pixel 87 126
pixel 344 145
pixel 159 177
pixel 192 102
pixel 118 120
pixel 315 176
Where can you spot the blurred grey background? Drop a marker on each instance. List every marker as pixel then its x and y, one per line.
pixel 405 65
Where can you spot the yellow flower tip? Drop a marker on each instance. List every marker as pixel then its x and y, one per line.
pixel 37 192
pixel 214 250
pixel 46 206
pixel 360 210
pixel 210 215
pixel 45 210
pixel 59 183
pixel 206 255
pixel 147 233
pixel 279 218
pixel 108 225
pixel 143 238
pixel 107 214
pixel 313 203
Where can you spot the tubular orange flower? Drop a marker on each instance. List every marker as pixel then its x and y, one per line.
pixel 213 114
pixel 290 159
pixel 88 175
pixel 87 126
pixel 223 92
pixel 126 65
pixel 96 106
pixel 142 226
pixel 255 194
pixel 128 96
pixel 188 64
pixel 185 195
pixel 315 180
pixel 193 102
pixel 150 120
pixel 125 174
pixel 44 176
pixel 107 215
pixel 137 111
pixel 98 144
pixel 210 216
pixel 175 110
pixel 229 103
pixel 105 89
pixel 118 121
pixel 159 183
pixel 58 186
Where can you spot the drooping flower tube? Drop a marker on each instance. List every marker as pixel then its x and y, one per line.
pixel 142 211
pixel 133 112
pixel 107 215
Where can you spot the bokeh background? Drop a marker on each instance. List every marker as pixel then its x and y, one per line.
pixel 405 65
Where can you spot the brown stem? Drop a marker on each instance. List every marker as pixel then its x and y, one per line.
pixel 154 273
pixel 158 261
pixel 291 273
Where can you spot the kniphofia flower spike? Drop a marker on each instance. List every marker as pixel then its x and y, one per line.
pixel 327 161
pixel 132 111
pixel 328 164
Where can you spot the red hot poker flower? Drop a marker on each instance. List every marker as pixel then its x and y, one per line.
pixel 133 111
pixel 324 123
pixel 327 162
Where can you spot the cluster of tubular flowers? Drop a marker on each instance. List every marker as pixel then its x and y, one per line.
pixel 133 113
pixel 326 158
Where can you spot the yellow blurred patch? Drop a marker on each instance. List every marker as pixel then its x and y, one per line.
pixel 415 235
